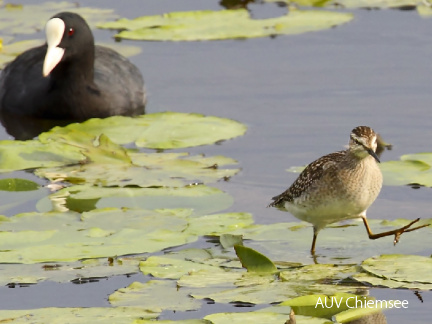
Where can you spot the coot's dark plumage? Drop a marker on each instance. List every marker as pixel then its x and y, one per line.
pixel 70 77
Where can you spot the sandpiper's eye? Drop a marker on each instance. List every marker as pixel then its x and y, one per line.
pixel 71 31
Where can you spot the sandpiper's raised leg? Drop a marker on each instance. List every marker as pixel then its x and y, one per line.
pixel 397 232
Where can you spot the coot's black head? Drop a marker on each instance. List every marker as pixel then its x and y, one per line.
pixel 69 39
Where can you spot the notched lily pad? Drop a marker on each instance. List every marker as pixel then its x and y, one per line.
pixel 224 24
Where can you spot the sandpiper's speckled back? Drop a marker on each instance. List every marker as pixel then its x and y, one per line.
pixel 337 186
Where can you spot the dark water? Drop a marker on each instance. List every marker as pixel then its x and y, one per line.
pixel 300 97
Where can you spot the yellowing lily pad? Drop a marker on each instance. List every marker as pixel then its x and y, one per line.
pixel 224 24
pixel 424 11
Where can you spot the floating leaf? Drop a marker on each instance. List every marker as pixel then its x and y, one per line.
pixel 145 169
pixel 79 271
pixel 399 267
pixel 411 169
pixel 190 321
pixel 224 24
pixel 30 18
pixel 8 52
pixel 193 200
pixel 254 261
pixel 18 155
pixel 424 10
pixel 328 306
pixel 109 315
pixel 229 240
pixel 318 272
pixel 373 3
pixel 16 184
pixel 166 130
pixel 372 280
pixel 154 295
pixel 257 317
pixel 62 237
pixel 173 268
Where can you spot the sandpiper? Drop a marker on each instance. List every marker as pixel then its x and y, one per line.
pixel 339 186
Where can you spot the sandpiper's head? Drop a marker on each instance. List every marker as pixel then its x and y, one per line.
pixel 363 142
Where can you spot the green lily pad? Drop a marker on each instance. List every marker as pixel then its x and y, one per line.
pixel 352 4
pixel 326 306
pixel 28 19
pixel 69 236
pixel 19 155
pixel 193 200
pixel 8 52
pixel 318 272
pixel 399 267
pixel 16 184
pixel 254 261
pixel 173 268
pixel 166 130
pixel 190 321
pixel 411 169
pixel 259 317
pixel 224 24
pixel 114 315
pixel 229 240
pixel 154 295
pixel 372 3
pixel 78 144
pixel 63 237
pixel 374 281
pixel 177 264
pixel 145 170
pixel 79 271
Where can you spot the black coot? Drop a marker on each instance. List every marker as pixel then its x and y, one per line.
pixel 70 77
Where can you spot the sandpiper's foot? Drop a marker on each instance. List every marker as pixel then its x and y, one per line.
pixel 406 229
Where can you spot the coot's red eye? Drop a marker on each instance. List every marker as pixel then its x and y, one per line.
pixel 71 31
